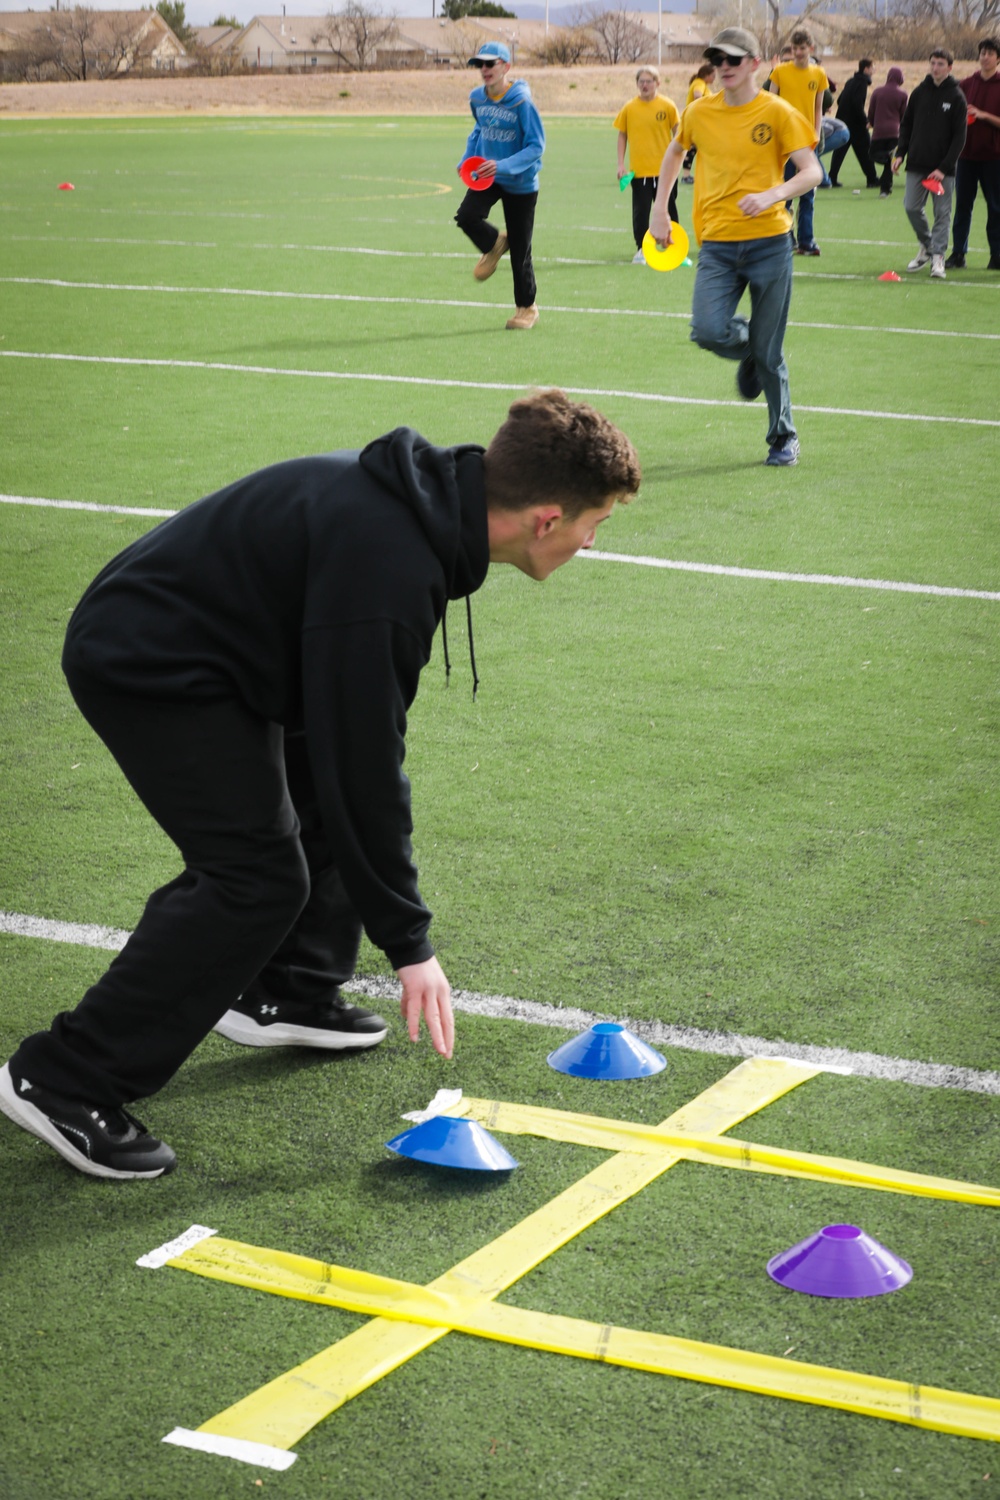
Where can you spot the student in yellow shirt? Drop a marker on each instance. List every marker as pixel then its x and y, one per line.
pixel 744 138
pixel 700 85
pixel 802 82
pixel 646 126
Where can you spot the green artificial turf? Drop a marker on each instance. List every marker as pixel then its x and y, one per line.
pixel 758 806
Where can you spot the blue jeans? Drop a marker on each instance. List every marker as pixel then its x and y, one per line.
pixel 968 176
pixel 805 236
pixel 830 142
pixel 725 269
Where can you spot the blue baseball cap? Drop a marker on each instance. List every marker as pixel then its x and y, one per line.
pixel 490 52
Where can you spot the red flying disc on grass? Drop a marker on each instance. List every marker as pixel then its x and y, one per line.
pixel 469 173
pixel 932 185
pixel 890 276
pixel 66 187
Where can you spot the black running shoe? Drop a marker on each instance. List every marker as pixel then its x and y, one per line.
pixel 747 380
pixel 955 262
pixel 261 1020
pixel 101 1142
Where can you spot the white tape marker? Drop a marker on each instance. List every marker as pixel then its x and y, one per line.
pixel 261 1454
pixel 193 1236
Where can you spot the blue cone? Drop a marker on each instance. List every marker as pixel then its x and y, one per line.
pixel 607 1051
pixel 446 1142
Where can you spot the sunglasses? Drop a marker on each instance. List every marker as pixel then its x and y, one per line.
pixel 484 65
pixel 719 59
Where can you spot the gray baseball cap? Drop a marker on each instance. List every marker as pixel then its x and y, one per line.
pixel 734 41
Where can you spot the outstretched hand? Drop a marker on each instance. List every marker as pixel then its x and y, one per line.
pixel 426 989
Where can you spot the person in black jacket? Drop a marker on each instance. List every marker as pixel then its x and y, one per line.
pixel 852 110
pixel 250 663
pixel 930 139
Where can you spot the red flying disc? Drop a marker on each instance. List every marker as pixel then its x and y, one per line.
pixel 932 185
pixel 66 187
pixel 469 173
pixel 890 276
pixel 970 118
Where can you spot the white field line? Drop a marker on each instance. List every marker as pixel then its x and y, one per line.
pixel 657 1033
pixel 606 312
pixel 719 569
pixel 657 397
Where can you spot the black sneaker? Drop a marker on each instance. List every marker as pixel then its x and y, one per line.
pixel 747 380
pixel 261 1020
pixel 955 262
pixel 993 264
pixel 101 1142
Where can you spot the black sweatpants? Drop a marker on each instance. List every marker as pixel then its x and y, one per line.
pixel 519 218
pixel 860 142
pixel 643 194
pixel 259 895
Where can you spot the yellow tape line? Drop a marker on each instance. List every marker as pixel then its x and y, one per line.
pixel 381 1297
pixel 286 1408
pixel 712 1150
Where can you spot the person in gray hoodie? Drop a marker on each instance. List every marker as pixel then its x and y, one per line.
pixel 250 664
pixel 930 139
pixel 886 108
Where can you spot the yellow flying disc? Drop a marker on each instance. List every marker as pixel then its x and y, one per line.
pixel 670 258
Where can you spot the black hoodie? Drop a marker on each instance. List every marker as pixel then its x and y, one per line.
pixel 311 591
pixel 932 134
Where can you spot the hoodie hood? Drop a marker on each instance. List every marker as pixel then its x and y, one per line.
pixel 446 492
pixel 894 75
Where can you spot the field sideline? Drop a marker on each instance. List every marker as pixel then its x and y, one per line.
pixel 728 778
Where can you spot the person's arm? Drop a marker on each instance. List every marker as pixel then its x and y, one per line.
pixel 905 131
pixel 808 174
pixel 818 113
pixel 622 143
pixel 959 130
pixel 659 218
pixel 981 114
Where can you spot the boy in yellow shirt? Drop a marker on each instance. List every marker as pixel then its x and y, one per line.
pixel 744 138
pixel 802 82
pixel 646 126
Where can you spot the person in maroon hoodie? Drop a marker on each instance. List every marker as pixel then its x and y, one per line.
pixel 979 163
pixel 885 115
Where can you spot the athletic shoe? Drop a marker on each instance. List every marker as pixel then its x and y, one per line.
pixel 808 250
pixel 688 179
pixel 261 1020
pixel 638 259
pixel 937 267
pixel 919 260
pixel 101 1142
pixel 835 184
pixel 885 195
pixel 524 317
pixel 955 262
pixel 747 380
pixel 994 263
pixel 487 264
pixel 783 454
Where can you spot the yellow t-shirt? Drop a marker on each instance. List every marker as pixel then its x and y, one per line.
pixel 697 90
pixel 799 86
pixel 741 149
pixel 649 125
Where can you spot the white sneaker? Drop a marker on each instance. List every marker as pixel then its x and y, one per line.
pixel 937 267
pixel 638 259
pixel 919 260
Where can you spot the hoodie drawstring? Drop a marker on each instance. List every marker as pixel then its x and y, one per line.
pixel 472 649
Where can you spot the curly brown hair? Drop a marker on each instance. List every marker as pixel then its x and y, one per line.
pixel 552 449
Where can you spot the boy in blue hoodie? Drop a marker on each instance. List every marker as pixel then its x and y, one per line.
pixel 508 133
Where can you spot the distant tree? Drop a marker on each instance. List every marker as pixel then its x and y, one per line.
pixel 565 46
pixel 172 12
pixel 355 33
pixel 617 37
pixel 228 21
pixel 457 10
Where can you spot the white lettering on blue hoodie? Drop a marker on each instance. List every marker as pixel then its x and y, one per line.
pixel 508 131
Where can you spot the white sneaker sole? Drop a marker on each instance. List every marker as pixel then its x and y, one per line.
pixel 240 1028
pixel 36 1123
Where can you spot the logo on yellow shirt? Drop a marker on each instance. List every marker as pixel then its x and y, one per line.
pixel 761 134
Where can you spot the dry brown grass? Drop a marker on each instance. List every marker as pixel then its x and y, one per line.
pixel 557 91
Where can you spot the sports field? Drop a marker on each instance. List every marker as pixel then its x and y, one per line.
pixel 732 778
